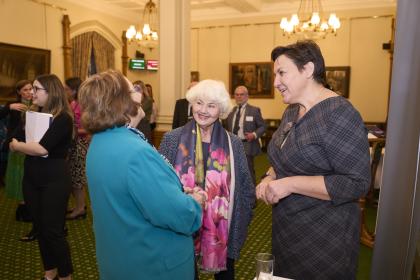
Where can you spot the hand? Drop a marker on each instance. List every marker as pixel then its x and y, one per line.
pixel 262 186
pixel 261 189
pixel 276 190
pixel 187 190
pixel 199 197
pixel 18 107
pixel 249 136
pixel 12 145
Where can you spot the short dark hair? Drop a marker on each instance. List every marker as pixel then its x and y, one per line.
pixel 301 53
pixel 74 84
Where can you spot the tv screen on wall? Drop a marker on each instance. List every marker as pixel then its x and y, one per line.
pixel 152 65
pixel 137 64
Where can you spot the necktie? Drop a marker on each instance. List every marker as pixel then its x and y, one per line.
pixel 238 116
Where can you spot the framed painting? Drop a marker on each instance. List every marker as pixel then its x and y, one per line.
pixel 20 63
pixel 338 79
pixel 256 76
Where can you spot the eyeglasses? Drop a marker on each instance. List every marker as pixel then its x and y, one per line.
pixel 35 88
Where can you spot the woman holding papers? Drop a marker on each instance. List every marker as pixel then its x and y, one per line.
pixel 142 220
pixel 46 180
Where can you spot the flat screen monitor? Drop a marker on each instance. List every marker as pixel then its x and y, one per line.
pixel 137 64
pixel 152 64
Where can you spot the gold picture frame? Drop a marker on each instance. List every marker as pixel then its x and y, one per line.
pixel 338 79
pixel 256 76
pixel 20 63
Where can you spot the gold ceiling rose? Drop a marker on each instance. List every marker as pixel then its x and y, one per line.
pixel 148 36
pixel 309 23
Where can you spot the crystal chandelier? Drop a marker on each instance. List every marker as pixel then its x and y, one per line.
pixel 308 22
pixel 148 38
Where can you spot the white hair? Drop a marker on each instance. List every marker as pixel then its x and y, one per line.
pixel 211 91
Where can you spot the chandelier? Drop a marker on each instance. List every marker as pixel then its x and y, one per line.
pixel 308 22
pixel 148 37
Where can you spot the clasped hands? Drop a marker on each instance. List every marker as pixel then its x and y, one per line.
pixel 198 194
pixel 249 136
pixel 271 191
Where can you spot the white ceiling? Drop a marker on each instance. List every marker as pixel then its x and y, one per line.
pixel 222 9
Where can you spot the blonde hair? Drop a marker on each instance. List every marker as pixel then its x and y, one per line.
pixel 213 91
pixel 106 102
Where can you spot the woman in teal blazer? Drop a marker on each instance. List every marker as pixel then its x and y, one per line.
pixel 143 222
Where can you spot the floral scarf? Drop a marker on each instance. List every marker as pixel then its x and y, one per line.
pixel 211 240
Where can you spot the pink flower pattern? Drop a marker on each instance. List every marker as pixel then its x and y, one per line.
pixel 211 243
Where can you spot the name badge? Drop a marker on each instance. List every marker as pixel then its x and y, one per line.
pixel 249 118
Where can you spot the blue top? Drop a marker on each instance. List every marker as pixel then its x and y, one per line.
pixel 142 220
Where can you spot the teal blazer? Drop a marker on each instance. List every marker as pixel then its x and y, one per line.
pixel 143 222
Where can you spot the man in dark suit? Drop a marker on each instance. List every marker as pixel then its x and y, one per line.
pixel 246 121
pixel 182 112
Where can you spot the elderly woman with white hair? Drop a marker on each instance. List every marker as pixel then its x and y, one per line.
pixel 211 162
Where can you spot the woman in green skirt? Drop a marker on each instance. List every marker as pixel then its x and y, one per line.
pixel 14 112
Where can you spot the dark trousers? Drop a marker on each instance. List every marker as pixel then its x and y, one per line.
pixel 250 160
pixel 228 274
pixel 47 204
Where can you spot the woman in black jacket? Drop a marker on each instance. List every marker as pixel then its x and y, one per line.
pixel 14 113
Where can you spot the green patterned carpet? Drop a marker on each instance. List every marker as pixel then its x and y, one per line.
pixel 21 261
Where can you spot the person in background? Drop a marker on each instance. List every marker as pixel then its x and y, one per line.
pixel 211 162
pixel 77 153
pixel 154 114
pixel 15 114
pixel 142 220
pixel 247 123
pixel 147 106
pixel 46 179
pixel 182 112
pixel 320 167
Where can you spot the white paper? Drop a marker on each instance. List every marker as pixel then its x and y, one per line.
pixel 36 125
pixel 249 118
pixel 371 136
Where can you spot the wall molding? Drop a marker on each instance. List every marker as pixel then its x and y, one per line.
pixel 96 26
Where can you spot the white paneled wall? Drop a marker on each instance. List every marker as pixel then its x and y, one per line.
pixel 370 66
pixel 358 45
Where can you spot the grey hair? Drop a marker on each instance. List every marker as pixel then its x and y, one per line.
pixel 244 88
pixel 211 91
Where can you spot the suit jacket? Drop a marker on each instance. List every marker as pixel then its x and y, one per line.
pixel 252 122
pixel 244 193
pixel 143 222
pixel 180 113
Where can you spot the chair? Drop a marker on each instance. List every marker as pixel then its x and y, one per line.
pixel 366 237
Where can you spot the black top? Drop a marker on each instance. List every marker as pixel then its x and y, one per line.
pixel 13 124
pixel 180 113
pixel 206 147
pixel 52 170
pixel 57 139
